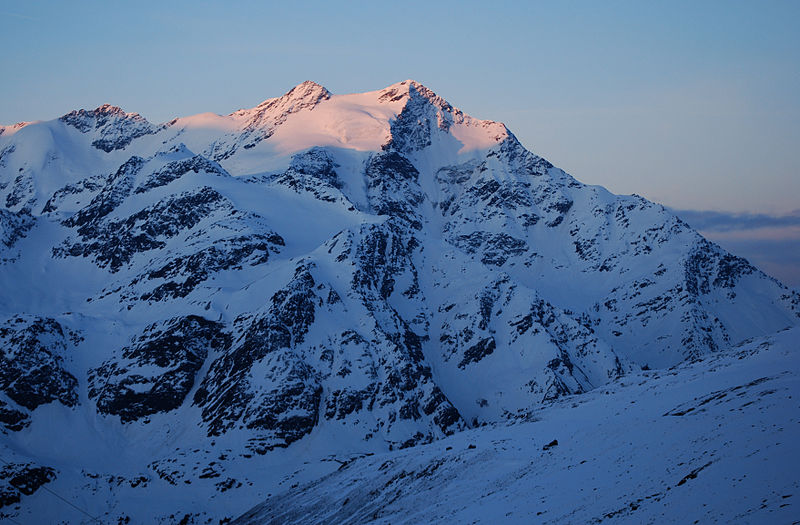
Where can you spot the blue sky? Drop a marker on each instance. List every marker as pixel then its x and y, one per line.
pixel 692 104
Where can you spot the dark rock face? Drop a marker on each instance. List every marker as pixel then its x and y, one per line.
pixel 112 243
pixel 383 254
pixel 156 372
pixel 499 195
pixel 401 386
pixel 478 351
pixel 232 395
pixel 32 367
pixel 316 163
pixel 494 248
pixel 12 418
pixel 115 128
pixel 22 479
pixel 275 382
pixel 393 188
pixel 314 172
pixel 13 227
pixel 707 266
pixel 184 273
pixel 5 153
pixel 116 189
pixel 21 194
pixel 412 129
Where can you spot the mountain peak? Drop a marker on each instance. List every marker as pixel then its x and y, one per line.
pixel 410 83
pixel 307 93
pixel 414 91
pixel 103 112
pixel 108 109
pixel 308 89
pixel 407 84
pixel 115 127
pixel 13 128
pixel 422 111
pixel 408 88
pixel 309 84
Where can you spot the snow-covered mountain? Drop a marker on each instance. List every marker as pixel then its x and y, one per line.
pixel 712 441
pixel 195 311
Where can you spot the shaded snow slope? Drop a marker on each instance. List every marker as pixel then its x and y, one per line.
pixel 714 441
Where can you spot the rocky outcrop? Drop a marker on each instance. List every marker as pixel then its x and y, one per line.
pixel 113 242
pixel 13 227
pixel 158 370
pixel 22 479
pixel 33 367
pixel 114 128
pixel 262 383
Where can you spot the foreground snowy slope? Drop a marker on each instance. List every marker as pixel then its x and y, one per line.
pixel 192 304
pixel 714 441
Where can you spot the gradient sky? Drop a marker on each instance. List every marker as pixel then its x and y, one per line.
pixel 692 104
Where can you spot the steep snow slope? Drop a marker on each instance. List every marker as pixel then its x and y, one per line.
pixel 205 299
pixel 712 441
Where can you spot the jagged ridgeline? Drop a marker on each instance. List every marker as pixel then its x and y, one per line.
pixel 374 270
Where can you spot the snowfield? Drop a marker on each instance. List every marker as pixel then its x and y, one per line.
pixel 714 441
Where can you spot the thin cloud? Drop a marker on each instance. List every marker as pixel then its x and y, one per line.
pixel 716 221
